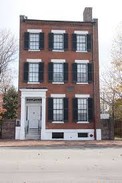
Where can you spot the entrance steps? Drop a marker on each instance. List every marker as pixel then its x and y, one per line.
pixel 33 134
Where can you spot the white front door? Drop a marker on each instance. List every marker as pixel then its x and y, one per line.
pixel 34 113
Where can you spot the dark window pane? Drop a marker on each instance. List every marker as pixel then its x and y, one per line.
pixel 57 135
pixel 83 135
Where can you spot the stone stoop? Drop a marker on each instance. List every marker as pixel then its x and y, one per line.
pixel 33 134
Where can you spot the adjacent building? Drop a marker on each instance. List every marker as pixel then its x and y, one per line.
pixel 59 79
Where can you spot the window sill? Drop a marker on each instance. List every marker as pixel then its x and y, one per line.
pixel 33 82
pixel 58 83
pixel 81 51
pixel 57 121
pixel 82 83
pixel 34 50
pixel 58 50
pixel 81 122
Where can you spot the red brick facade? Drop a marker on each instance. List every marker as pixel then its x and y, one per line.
pixel 69 88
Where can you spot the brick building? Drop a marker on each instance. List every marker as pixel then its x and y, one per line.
pixel 59 79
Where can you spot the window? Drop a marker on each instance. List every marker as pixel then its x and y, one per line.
pixel 57 135
pixel 81 43
pixel 58 41
pixel 58 109
pixel 82 109
pixel 34 41
pixel 82 73
pixel 82 135
pixel 58 72
pixel 33 72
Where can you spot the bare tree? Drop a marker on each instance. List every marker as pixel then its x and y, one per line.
pixel 8 54
pixel 6 81
pixel 111 81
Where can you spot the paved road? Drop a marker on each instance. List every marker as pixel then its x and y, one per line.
pixel 60 165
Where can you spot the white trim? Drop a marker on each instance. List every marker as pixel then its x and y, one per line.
pixel 33 60
pixel 34 30
pixel 82 95
pixel 58 83
pixel 81 32
pixel 82 61
pixel 58 31
pixel 81 51
pixel 98 134
pixel 33 83
pixel 57 121
pixel 82 83
pixel 58 50
pixel 33 50
pixel 81 122
pixel 39 93
pixel 69 134
pixel 58 95
pixel 58 60
pixel 17 133
pixel 34 91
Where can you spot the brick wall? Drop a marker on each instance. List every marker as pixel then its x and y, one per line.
pixel 8 129
pixel 69 56
pixel 107 126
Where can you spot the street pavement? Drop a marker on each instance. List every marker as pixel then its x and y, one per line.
pixel 60 161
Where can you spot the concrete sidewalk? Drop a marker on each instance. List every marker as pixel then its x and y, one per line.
pixel 57 143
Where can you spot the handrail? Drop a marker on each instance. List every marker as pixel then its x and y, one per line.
pixel 27 127
pixel 39 125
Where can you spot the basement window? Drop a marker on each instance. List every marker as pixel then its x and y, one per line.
pixel 57 135
pixel 82 135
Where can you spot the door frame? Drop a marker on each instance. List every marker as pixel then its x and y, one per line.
pixel 33 93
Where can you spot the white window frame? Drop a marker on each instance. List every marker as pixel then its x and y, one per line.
pixel 58 96
pixel 35 31
pixel 83 96
pixel 82 62
pixel 58 61
pixel 57 109
pixel 33 82
pixel 58 32
pixel 79 32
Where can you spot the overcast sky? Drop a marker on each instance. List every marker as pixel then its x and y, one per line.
pixel 107 12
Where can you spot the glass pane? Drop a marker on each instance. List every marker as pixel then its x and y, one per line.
pixel 58 73
pixel 82 73
pixel 58 109
pixel 33 72
pixel 34 41
pixel 82 109
pixel 81 43
pixel 58 42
